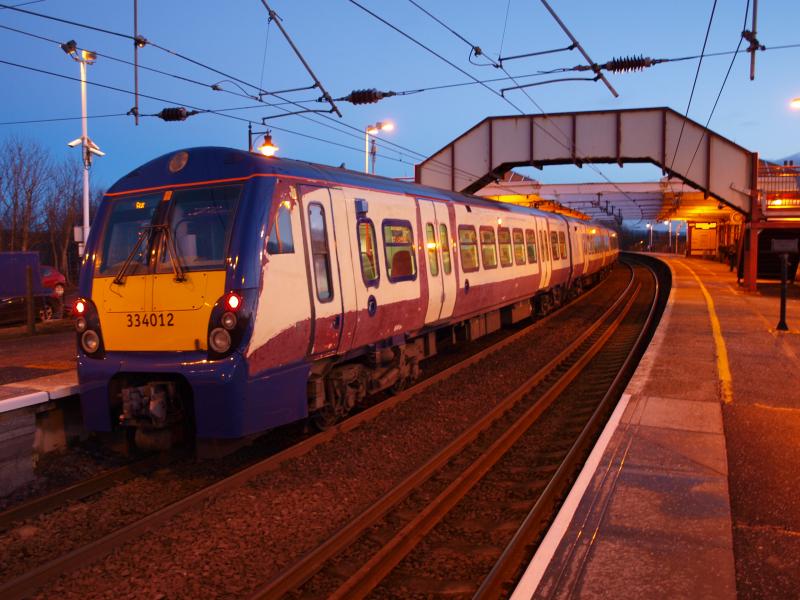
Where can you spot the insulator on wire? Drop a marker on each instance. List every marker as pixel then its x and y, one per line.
pixel 175 113
pixel 628 64
pixel 366 96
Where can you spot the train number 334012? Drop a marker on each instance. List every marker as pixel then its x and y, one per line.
pixel 150 320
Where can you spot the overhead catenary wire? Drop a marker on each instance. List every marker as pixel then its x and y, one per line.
pixel 721 88
pixel 434 53
pixel 563 143
pixel 694 83
pixel 211 86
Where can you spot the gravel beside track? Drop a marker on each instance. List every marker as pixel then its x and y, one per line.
pixel 244 537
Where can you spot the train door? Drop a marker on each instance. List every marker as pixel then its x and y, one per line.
pixel 441 278
pixel 322 269
pixel 544 252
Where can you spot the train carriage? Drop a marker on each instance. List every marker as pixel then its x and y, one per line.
pixel 224 293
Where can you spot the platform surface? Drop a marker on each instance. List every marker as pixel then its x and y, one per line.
pixel 694 492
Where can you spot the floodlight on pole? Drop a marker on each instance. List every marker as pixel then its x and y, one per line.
pixel 83 58
pixel 374 130
pixel 795 103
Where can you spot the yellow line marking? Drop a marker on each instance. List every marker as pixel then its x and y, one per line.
pixel 723 367
pixel 56 364
pixel 777 408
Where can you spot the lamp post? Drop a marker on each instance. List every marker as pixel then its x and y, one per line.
pixel 374 130
pixel 795 103
pixel 668 223
pixel 88 147
pixel 267 147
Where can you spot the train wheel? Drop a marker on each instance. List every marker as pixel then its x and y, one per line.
pixel 324 418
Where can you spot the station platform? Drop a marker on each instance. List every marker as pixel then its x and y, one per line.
pixel 691 490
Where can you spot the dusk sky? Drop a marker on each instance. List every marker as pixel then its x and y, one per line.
pixel 348 49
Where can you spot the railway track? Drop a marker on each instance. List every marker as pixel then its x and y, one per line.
pixel 31 581
pixel 417 516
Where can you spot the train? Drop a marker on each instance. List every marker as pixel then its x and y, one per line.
pixel 224 293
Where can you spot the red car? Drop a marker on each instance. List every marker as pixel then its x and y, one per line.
pixel 54 280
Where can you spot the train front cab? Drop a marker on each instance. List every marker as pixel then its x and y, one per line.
pixel 168 289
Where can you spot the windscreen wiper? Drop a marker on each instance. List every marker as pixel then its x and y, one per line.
pixel 173 252
pixel 171 249
pixel 143 233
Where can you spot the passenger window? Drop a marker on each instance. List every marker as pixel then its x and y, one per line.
pixel 398 244
pixel 504 239
pixel 488 248
pixel 445 241
pixel 468 241
pixel 433 259
pixel 530 244
pixel 370 272
pixel 281 240
pixel 519 246
pixel 320 256
pixel 562 243
pixel 554 245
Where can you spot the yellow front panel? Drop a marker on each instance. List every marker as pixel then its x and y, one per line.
pixel 157 313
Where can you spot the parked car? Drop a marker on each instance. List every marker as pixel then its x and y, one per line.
pixel 54 280
pixel 13 305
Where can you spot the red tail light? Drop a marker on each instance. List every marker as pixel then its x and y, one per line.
pixel 233 302
pixel 80 307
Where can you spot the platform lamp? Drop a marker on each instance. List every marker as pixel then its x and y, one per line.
pixel 89 148
pixel 267 146
pixel 373 130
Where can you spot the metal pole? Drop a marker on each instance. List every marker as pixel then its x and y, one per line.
pixel 589 61
pixel 366 150
pixel 784 284
pixel 136 61
pixel 87 158
pixel 30 318
pixel 753 51
pixel 374 153
pixel 651 238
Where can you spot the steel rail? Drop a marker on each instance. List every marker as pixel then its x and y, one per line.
pixel 301 571
pixel 28 583
pixel 77 491
pixel 369 576
pixel 518 547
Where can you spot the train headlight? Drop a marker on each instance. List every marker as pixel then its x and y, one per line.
pixel 220 340
pixel 228 320
pixel 80 324
pixel 90 341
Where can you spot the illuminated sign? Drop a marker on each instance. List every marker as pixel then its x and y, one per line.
pixel 705 225
pixel 140 204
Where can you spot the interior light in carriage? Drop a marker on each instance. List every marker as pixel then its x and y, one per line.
pixel 268 148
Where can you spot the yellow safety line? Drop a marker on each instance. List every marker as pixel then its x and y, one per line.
pixel 723 367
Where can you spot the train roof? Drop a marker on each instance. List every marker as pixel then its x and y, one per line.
pixel 204 164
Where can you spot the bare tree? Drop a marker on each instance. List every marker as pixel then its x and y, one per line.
pixel 24 178
pixel 61 207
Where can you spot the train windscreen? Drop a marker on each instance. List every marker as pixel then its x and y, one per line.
pixel 193 224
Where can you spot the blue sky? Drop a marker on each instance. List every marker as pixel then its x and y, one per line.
pixel 349 50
